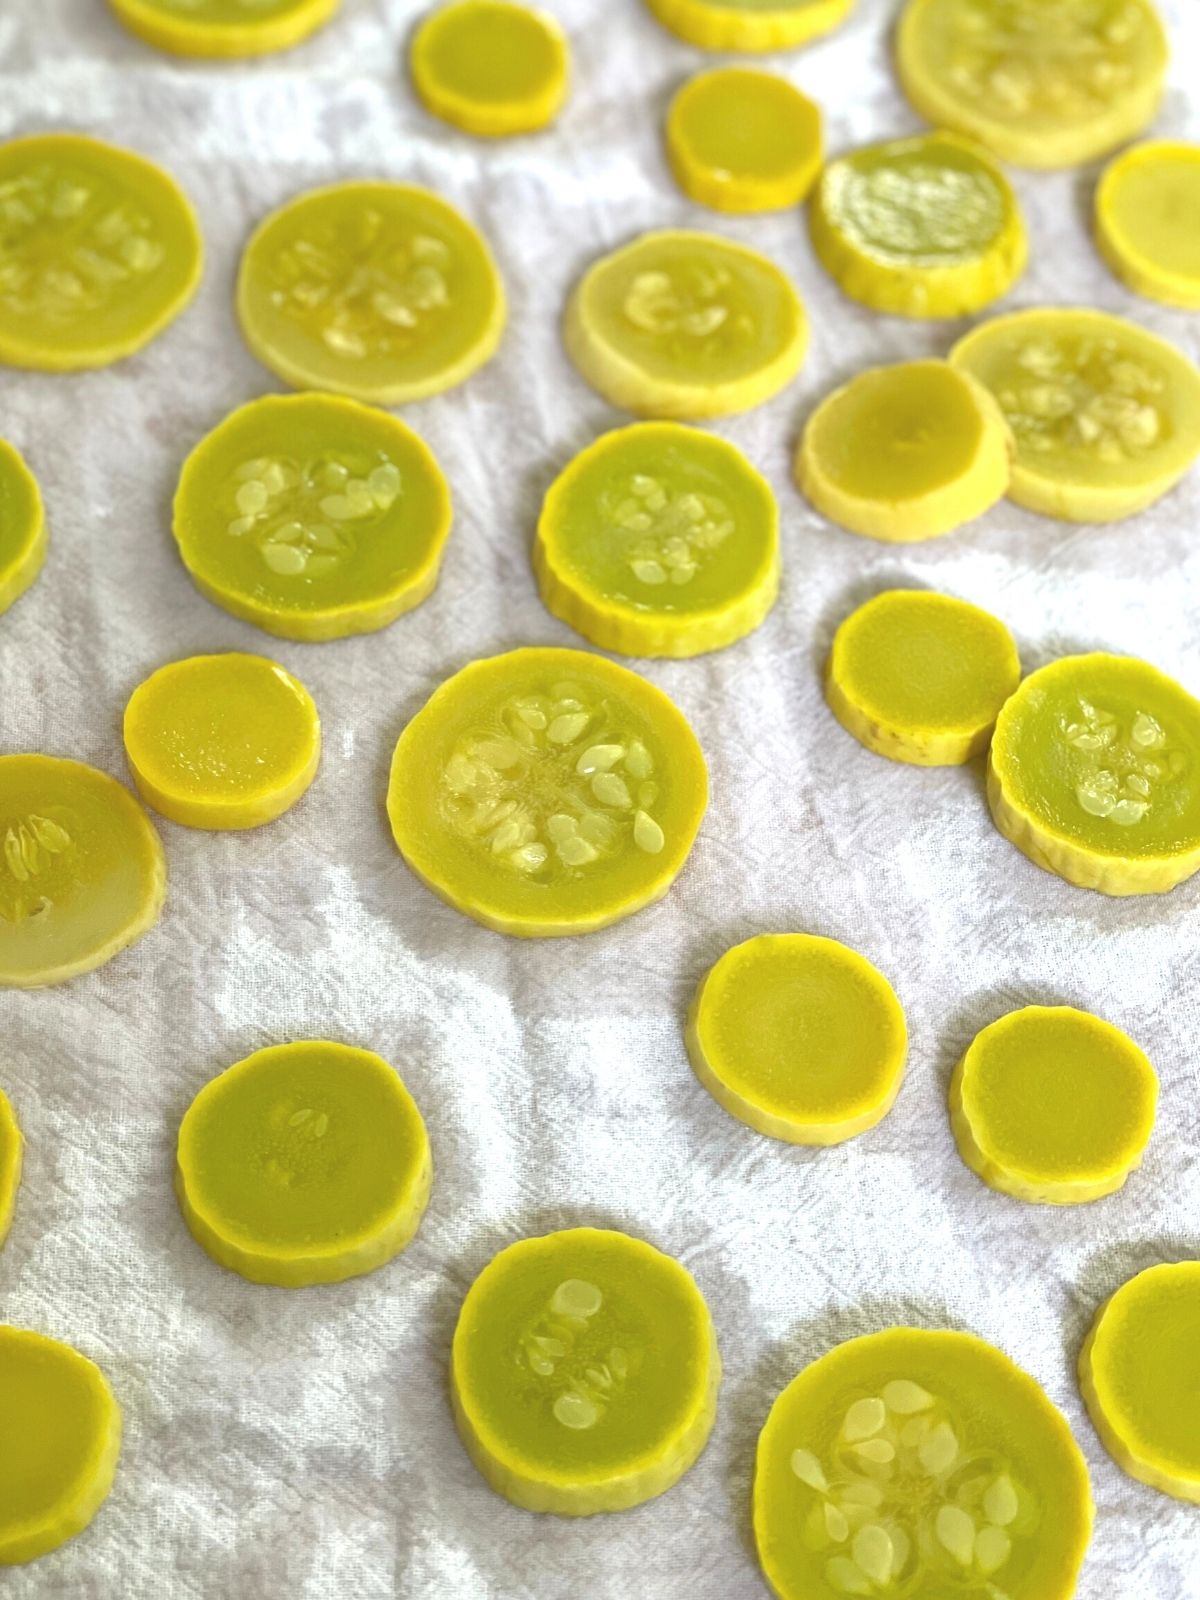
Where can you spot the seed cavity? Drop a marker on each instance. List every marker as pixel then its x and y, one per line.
pixel 667 536
pixel 695 308
pixel 306 515
pixel 1084 397
pixel 71 243
pixel 913 210
pixel 1119 768
pixel 553 785
pixel 369 286
pixel 563 1349
pixel 902 1500
pixel 1064 62
pixel 31 844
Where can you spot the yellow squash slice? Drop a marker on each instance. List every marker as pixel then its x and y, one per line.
pixel 1053 1105
pixel 490 67
pixel 1148 221
pixel 584 1373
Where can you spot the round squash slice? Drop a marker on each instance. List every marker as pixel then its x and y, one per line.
pixel 228 741
pixel 1106 417
pixel 62 1437
pixel 920 227
pixel 82 872
pixel 11 1146
pixel 924 1466
pixel 750 25
pixel 304 1163
pixel 740 140
pixel 1140 1375
pixel 659 540
pixel 224 28
pixel 1094 774
pixel 905 453
pixel 1053 1105
pixel 100 251
pixel 799 1037
pixel 490 67
pixel 584 1372
pixel 312 517
pixel 1043 83
pixel 686 325
pixel 921 677
pixel 547 792
pixel 22 527
pixel 381 291
pixel 1148 221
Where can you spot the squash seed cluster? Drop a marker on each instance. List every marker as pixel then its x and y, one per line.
pixel 31 846
pixel 1061 58
pixel 916 212
pixel 903 1497
pixel 69 243
pixel 1090 399
pixel 1118 769
pixel 366 286
pixel 554 786
pixel 558 1350
pixel 305 516
pixel 692 308
pixel 668 535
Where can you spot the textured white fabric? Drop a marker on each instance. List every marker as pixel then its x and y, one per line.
pixel 300 1443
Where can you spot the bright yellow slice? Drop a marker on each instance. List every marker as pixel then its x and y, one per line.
pixel 584 1373
pixel 490 67
pixel 312 516
pixel 1106 417
pixel 82 872
pixel 799 1037
pixel 1140 1375
pixel 750 25
pixel 1148 221
pixel 228 741
pixel 740 140
pixel 1043 83
pixel 686 325
pixel 659 540
pixel 906 452
pixel 921 677
pixel 22 527
pixel 921 227
pixel 381 291
pixel 921 1466
pixel 99 251
pixel 304 1163
pixel 547 792
pixel 1094 774
pixel 224 28
pixel 1053 1105
pixel 62 1437
pixel 11 1146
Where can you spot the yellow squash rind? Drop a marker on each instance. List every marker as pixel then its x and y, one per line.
pixel 714 26
pixel 181 35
